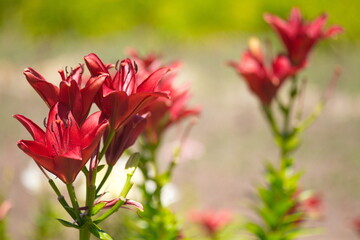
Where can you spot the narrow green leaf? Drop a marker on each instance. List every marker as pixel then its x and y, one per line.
pixel 98 232
pixel 256 229
pixel 67 224
pixel 100 167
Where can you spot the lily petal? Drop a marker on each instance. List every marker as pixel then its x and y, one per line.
pixel 70 96
pixel 38 152
pixel 115 106
pixel 149 84
pixel 95 65
pixel 89 92
pixel 124 138
pixel 91 133
pixel 36 132
pixel 67 168
pixel 47 91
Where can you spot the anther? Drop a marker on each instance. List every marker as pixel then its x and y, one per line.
pixel 66 123
pixel 136 67
pixel 82 68
pixel 70 122
pixel 117 64
pixel 66 71
pixel 44 122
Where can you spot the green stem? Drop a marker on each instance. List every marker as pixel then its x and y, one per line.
pixel 91 184
pixel 3 234
pixel 214 236
pixel 85 171
pixel 157 195
pixel 74 202
pixel 148 160
pixel 61 199
pixel 159 185
pixel 84 233
pixel 171 167
pixel 107 144
pixel 127 186
pixel 55 188
pixel 287 129
pixel 271 120
pixel 106 176
pixel 111 211
pixel 90 198
pixel 289 108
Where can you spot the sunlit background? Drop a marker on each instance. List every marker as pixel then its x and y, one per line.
pixel 224 154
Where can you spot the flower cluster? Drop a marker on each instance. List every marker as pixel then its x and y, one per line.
pixel 71 136
pixel 298 37
pixel 282 208
pixel 64 147
pixel 132 98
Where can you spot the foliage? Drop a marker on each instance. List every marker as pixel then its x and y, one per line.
pixel 183 19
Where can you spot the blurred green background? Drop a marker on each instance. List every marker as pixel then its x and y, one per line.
pixel 231 140
pixel 180 19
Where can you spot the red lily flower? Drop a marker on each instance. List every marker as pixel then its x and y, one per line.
pixel 211 221
pixel 262 80
pixel 124 138
pixel 70 93
pixel 125 94
pixel 298 36
pixel 164 112
pixel 63 148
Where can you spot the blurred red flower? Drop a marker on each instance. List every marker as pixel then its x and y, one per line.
pixel 299 36
pixel 312 206
pixel 126 93
pixel 211 221
pixel 309 204
pixel 64 148
pixel 263 81
pixel 164 112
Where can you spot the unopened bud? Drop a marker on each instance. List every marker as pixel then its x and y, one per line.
pixel 132 164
